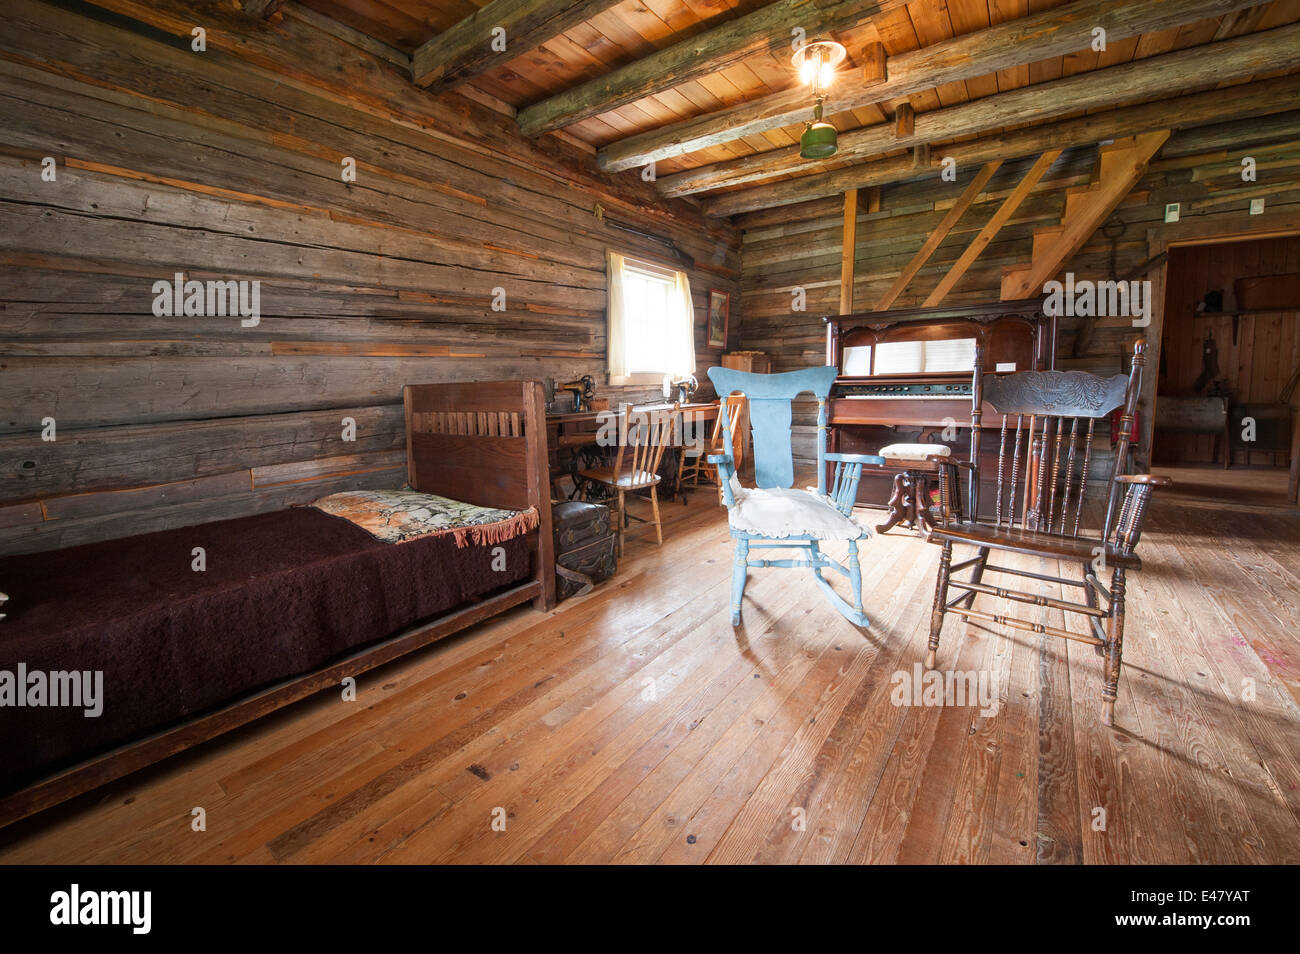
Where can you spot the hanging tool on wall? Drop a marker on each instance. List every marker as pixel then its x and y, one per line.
pixel 1209 363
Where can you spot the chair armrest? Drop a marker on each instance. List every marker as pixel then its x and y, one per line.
pixel 726 470
pixel 1133 510
pixel 1149 480
pixel 843 490
pixel 874 460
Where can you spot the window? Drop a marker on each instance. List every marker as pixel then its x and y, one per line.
pixel 651 322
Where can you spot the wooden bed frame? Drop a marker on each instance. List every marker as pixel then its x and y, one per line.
pixel 483 443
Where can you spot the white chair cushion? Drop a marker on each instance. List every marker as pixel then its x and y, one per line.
pixel 785 512
pixel 917 452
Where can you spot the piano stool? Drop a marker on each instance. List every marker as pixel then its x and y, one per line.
pixel 912 470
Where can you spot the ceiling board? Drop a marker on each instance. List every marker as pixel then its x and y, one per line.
pixel 635 28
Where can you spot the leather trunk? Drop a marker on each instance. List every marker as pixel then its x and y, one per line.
pixel 584 546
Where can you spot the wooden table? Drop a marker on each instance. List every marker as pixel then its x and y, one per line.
pixel 569 435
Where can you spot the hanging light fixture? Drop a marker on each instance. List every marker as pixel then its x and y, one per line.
pixel 815 63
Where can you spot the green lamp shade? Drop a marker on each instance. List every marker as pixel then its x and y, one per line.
pixel 818 141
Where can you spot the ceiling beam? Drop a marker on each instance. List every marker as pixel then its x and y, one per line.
pixel 1163 75
pixel 466 49
pixel 1030 39
pixel 1281 95
pixel 766 30
pixel 261 9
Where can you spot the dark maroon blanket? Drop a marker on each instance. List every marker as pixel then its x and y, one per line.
pixel 283 594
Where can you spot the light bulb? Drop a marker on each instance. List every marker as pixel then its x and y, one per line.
pixel 807 71
pixel 826 73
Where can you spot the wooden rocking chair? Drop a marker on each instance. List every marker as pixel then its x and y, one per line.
pixel 773 515
pixel 1045 448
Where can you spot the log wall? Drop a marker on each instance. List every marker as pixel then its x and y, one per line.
pixel 227 164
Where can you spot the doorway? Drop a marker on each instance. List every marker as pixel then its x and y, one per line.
pixel 1229 371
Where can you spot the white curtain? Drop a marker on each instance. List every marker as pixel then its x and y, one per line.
pixel 684 332
pixel 615 339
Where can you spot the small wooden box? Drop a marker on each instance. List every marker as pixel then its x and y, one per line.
pixel 1268 292
pixel 754 361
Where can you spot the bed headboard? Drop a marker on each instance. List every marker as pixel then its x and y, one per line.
pixel 484 442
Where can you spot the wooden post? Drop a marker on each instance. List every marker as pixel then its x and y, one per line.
pixel 848 244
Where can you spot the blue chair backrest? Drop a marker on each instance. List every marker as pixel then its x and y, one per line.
pixel 770 399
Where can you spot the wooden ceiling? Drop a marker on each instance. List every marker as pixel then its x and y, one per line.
pixel 624 32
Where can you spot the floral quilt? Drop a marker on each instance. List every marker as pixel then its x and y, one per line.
pixel 394 516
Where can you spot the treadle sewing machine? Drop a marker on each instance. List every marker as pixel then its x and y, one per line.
pixel 909 375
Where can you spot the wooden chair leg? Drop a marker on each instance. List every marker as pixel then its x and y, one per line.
pixel 855 576
pixel 1114 648
pixel 940 598
pixel 976 575
pixel 654 506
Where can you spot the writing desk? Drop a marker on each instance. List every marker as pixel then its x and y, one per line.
pixel 571 434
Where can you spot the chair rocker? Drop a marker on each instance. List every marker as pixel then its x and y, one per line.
pixel 1048 421
pixel 772 514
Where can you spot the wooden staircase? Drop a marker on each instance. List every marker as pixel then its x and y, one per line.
pixel 1120 166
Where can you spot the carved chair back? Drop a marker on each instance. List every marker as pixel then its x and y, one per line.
pixel 1046 423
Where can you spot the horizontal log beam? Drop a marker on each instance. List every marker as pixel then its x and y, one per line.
pixel 1276 96
pixel 468 50
pixel 1018 42
pixel 1157 76
pixel 767 29
pixel 261 9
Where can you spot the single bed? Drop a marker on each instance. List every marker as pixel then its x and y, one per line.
pixel 286 603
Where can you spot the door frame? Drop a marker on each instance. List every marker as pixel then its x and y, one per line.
pixel 1218 229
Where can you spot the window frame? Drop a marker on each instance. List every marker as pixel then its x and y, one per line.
pixel 650 266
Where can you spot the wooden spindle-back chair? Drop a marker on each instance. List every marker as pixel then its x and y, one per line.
pixel 642 437
pixel 694 463
pixel 1047 421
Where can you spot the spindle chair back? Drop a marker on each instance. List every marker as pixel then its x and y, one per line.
pixel 642 436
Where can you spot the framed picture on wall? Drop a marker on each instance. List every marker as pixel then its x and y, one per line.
pixel 719 316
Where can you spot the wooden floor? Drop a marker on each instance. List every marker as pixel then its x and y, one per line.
pixel 1250 486
pixel 634 725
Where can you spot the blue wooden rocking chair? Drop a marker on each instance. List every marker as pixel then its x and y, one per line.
pixel 772 515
